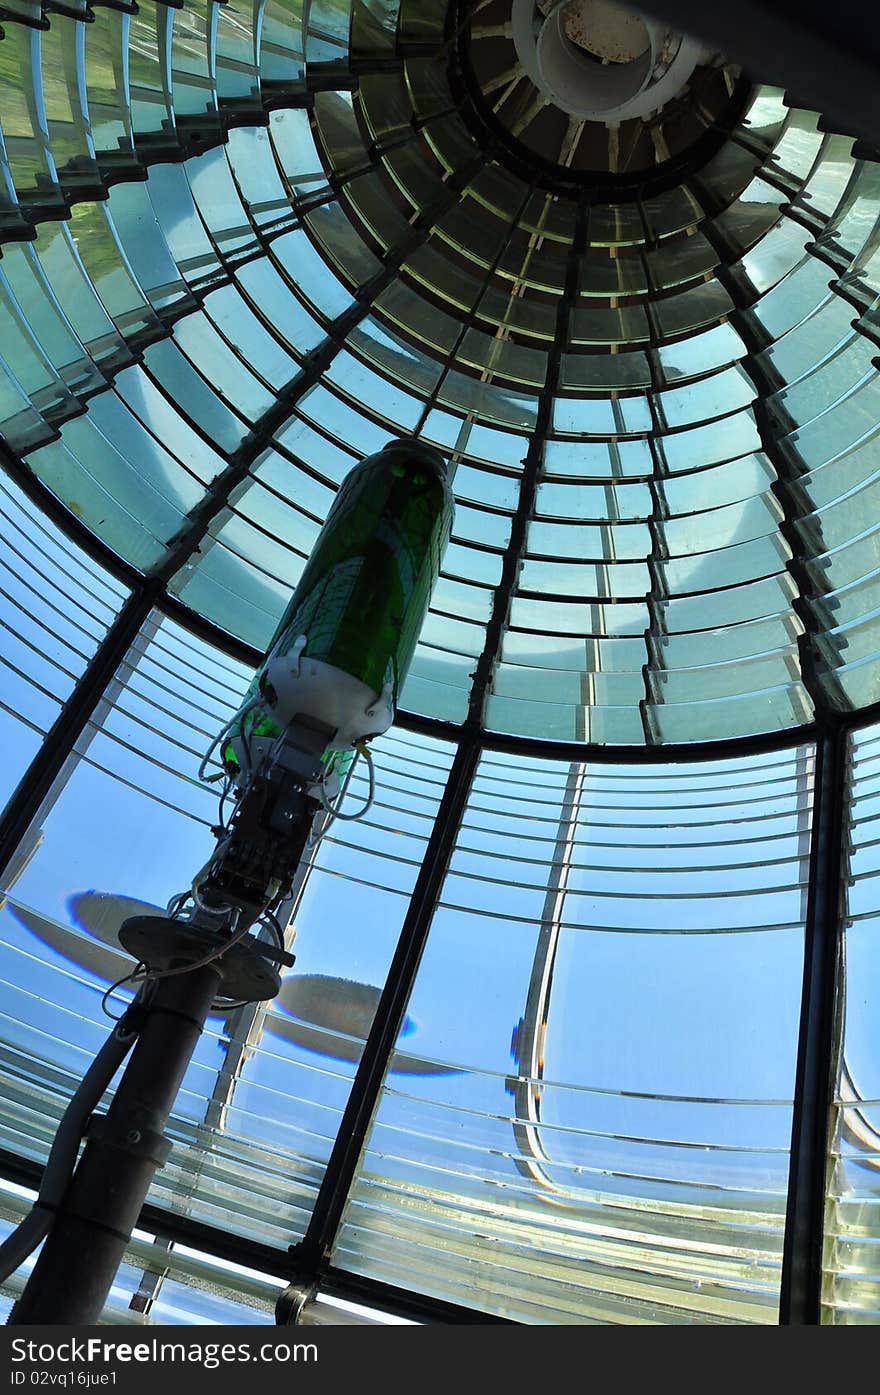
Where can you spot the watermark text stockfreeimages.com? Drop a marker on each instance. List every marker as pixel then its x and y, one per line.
pixel 92 1351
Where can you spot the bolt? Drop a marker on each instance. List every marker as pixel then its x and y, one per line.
pixel 133 1136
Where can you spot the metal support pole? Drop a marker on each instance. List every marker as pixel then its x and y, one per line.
pixel 801 1286
pixel 312 1254
pixel 125 1147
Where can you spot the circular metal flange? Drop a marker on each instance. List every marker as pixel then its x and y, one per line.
pixel 606 159
pixel 160 943
pixel 619 66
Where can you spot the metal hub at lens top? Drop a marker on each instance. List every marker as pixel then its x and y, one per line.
pixel 593 87
pixel 598 61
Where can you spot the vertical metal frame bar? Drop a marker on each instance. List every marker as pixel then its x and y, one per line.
pixel 313 1252
pixel 801 1287
pixel 531 473
pixel 59 742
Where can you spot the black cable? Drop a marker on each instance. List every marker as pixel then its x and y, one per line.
pixel 221 817
pixel 127 978
pixel 270 919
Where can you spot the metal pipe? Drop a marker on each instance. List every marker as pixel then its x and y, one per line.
pixel 125 1147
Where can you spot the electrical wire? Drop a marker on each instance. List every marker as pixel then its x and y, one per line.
pixel 176 904
pixel 195 892
pixel 271 922
pixel 270 919
pixel 239 716
pixel 215 953
pixel 224 795
pixel 61 1161
pixel 333 810
pixel 341 792
pixel 135 976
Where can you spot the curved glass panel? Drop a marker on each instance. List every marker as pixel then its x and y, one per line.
pixel 674 372
pixel 56 606
pixel 160 1281
pixel 239 251
pixel 612 1143
pixel 126 824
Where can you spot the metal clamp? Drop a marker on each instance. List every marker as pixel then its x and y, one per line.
pixel 134 1137
pixel 291 1302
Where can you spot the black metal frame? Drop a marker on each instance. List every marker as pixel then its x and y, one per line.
pixel 310 1262
pixel 274 1263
